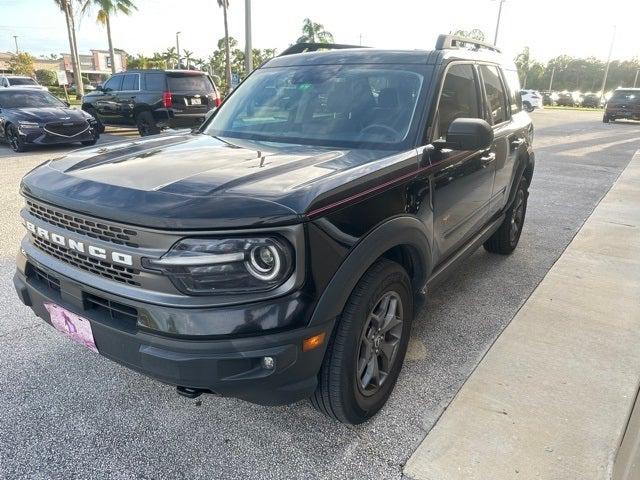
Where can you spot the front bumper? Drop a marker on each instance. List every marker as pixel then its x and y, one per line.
pixel 229 365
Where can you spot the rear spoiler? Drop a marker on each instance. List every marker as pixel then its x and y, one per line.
pixel 313 47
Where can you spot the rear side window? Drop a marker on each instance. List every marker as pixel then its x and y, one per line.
pixel 21 81
pixel 131 82
pixel 190 83
pixel 459 98
pixel 496 97
pixel 114 84
pixel 155 82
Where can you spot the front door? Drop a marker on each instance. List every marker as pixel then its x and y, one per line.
pixel 462 180
pixel 107 102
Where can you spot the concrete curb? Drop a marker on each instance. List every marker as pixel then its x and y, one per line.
pixel 552 397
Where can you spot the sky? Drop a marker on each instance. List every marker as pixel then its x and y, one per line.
pixel 548 27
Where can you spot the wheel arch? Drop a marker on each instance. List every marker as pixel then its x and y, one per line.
pixel 402 239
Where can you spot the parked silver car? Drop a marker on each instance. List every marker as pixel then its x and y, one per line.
pixel 19 81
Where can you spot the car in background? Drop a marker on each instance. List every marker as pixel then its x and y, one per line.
pixel 87 87
pixel 548 98
pixel 153 100
pixel 624 103
pixel 19 81
pixel 531 99
pixel 565 99
pixel 34 117
pixel 591 100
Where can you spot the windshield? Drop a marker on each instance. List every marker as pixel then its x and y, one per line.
pixel 357 106
pixel 13 99
pixel 21 81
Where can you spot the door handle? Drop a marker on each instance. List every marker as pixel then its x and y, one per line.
pixel 487 160
pixel 516 143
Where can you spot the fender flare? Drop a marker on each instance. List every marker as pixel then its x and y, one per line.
pixel 525 159
pixel 402 230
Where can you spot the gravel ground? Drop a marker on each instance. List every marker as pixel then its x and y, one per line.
pixel 68 413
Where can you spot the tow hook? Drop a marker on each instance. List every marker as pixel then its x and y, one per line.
pixel 190 392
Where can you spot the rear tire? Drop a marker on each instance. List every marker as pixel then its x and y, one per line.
pixel 365 353
pixel 146 124
pixel 606 118
pixel 14 139
pixel 506 238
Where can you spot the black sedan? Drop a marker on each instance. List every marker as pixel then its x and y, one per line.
pixel 33 117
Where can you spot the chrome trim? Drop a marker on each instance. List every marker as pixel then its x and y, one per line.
pixel 199 260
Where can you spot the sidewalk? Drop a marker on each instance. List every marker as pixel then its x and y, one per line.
pixel 553 396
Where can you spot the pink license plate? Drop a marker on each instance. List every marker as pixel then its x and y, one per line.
pixel 73 326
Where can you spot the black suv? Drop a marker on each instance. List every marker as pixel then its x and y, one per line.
pixel 153 100
pixel 281 251
pixel 624 103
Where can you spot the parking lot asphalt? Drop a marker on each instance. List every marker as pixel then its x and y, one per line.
pixel 66 412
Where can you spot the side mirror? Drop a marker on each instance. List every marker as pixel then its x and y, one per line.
pixel 67 104
pixel 99 87
pixel 467 134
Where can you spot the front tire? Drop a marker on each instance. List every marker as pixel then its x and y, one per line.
pixel 365 353
pixel 527 106
pixel 14 139
pixel 506 238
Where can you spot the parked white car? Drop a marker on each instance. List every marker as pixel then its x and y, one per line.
pixel 531 99
pixel 19 81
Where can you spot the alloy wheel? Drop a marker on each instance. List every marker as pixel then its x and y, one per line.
pixel 517 216
pixel 379 343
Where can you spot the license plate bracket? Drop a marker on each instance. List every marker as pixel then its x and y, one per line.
pixel 74 326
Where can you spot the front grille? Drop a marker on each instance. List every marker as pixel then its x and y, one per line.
pixel 49 280
pixel 116 310
pixel 90 228
pixel 89 264
pixel 65 129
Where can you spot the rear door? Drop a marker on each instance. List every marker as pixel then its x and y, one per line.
pixel 192 92
pixel 126 97
pixel 462 180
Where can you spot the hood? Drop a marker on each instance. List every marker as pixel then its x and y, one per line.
pixel 188 180
pixel 48 114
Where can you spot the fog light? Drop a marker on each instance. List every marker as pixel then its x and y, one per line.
pixel 268 363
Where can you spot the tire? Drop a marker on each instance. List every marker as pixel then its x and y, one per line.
pixel 146 124
pixel 342 393
pixel 527 106
pixel 14 140
pixel 606 118
pixel 94 114
pixel 506 238
pixel 89 143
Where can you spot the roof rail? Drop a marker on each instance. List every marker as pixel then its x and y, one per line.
pixel 447 42
pixel 312 47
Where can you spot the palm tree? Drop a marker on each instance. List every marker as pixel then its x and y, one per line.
pixel 170 56
pixel 66 8
pixel 105 9
pixel 188 54
pixel 227 51
pixel 314 33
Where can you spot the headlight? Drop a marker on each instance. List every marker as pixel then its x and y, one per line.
pixel 28 125
pixel 214 266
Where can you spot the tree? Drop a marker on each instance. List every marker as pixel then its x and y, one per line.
pixel 474 34
pixel 227 49
pixel 188 55
pixel 106 8
pixel 314 33
pixel 46 77
pixel 66 8
pixel 170 56
pixel 22 64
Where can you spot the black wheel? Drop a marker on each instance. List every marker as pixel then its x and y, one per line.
pixel 14 139
pixel 527 106
pixel 367 348
pixel 100 126
pixel 146 124
pixel 505 239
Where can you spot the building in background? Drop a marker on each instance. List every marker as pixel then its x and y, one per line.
pixel 96 66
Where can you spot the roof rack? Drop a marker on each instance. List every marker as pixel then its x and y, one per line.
pixel 447 42
pixel 313 47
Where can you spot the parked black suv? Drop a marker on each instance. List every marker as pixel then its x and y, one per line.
pixel 281 251
pixel 624 103
pixel 153 99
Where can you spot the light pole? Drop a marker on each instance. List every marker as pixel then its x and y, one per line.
pixel 248 48
pixel 635 80
pixel 495 39
pixel 178 48
pixel 553 73
pixel 606 69
pixel 15 39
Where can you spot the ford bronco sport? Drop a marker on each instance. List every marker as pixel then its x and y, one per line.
pixel 280 251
